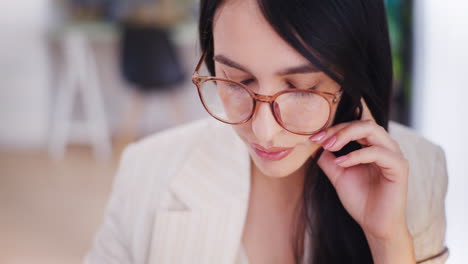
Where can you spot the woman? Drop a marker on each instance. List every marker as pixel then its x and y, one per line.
pixel 305 171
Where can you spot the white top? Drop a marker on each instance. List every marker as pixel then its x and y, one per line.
pixel 181 196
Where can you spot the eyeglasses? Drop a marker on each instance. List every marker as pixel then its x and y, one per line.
pixel 299 111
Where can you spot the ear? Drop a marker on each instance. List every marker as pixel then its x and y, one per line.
pixel 366 114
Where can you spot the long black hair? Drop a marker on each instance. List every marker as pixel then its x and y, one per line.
pixel 349 41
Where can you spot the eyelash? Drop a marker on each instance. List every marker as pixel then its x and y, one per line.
pixel 291 85
pixel 246 82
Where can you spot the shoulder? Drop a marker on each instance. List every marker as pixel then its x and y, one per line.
pixel 427 188
pixel 409 139
pixel 146 168
pixel 427 160
pixel 156 158
pixel 424 156
pixel 144 172
pixel 428 177
pixel 155 155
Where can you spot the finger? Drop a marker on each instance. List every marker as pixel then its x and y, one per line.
pixel 365 133
pixel 325 134
pixel 392 164
pixel 320 137
pixel 327 163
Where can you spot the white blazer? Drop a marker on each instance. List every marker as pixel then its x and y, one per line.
pixel 181 196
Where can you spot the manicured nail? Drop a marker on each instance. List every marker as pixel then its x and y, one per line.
pixel 341 159
pixel 330 143
pixel 319 136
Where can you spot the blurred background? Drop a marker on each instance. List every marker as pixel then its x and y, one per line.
pixel 80 79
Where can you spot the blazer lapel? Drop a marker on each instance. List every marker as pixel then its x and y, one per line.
pixel 201 218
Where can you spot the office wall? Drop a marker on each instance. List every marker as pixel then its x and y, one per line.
pixel 440 102
pixel 24 76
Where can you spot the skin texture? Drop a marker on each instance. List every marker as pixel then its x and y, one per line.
pixel 371 182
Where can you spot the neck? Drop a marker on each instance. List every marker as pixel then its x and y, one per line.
pixel 284 192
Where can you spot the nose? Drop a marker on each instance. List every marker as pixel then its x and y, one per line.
pixel 264 125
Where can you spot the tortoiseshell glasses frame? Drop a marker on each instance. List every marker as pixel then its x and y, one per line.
pixel 331 98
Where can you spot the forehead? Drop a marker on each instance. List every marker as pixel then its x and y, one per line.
pixel 241 33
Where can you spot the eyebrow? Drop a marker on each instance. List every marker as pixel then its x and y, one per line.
pixel 301 69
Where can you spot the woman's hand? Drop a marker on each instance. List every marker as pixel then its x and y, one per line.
pixel 371 183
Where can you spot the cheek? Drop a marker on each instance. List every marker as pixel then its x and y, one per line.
pixel 305 147
pixel 243 130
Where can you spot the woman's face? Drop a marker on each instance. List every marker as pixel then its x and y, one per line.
pixel 248 50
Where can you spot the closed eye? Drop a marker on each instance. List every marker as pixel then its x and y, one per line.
pixel 247 82
pixel 292 86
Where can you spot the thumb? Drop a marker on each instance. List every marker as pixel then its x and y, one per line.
pixel 327 163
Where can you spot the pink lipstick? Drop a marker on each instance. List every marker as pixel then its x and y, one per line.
pixel 274 153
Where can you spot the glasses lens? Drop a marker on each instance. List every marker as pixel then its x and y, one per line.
pixel 227 101
pixel 302 112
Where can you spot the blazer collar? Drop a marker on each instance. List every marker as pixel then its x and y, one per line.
pixel 202 217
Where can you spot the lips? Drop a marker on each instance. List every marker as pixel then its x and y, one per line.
pixel 274 153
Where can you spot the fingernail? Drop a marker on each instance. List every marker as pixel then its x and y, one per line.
pixel 319 136
pixel 341 159
pixel 330 142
